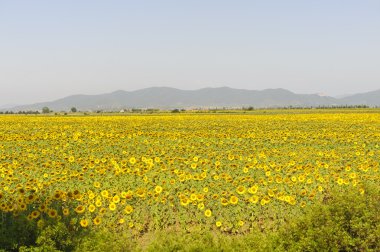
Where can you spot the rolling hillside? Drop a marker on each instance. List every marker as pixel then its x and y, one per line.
pixel 168 98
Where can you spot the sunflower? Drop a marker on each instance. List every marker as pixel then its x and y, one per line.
pixel 91 195
pixel 66 211
pixel 292 201
pixel 201 206
pixel 158 189
pixel 97 220
pixel 91 208
pixel 208 213
pixel 84 222
pixel 340 181
pixel 218 223
pixel 98 203
pixel 303 204
pixel 104 194
pixel 266 198
pixel 132 160
pixel 254 199
pixel 361 191
pixel 352 175
pixel 57 195
pixel 116 199
pixel 184 201
pixel 234 200
pixel 22 206
pixel 112 206
pixel 240 190
pixel 128 209
pixel 52 213
pixel 200 197
pixel 224 201
pixel 140 193
pixel 76 193
pixel 30 198
pixel 42 208
pixel 270 193
pixel 128 195
pixel 278 179
pixel 123 194
pixel 35 214
pixel 80 209
pixel 193 197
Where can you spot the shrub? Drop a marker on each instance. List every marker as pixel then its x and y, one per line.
pixel 346 222
pixel 16 231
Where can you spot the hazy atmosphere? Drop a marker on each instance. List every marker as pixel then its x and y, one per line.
pixel 210 125
pixel 51 49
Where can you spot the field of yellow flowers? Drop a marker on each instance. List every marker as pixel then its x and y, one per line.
pixel 183 171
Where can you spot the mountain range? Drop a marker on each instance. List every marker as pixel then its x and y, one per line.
pixel 169 98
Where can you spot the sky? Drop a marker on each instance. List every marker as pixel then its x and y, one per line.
pixel 52 49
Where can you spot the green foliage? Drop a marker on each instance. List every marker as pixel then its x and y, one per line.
pixel 344 221
pixel 105 240
pixel 208 241
pixel 16 231
pixel 45 110
pixel 56 237
pixel 347 222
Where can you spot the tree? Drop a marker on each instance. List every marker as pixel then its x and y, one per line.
pixel 73 109
pixel 45 110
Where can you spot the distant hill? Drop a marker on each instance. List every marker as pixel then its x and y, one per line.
pixel 5 106
pixel 169 98
pixel 369 98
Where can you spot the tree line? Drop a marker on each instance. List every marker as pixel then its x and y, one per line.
pixel 47 110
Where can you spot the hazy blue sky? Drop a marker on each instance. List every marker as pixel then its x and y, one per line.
pixel 50 49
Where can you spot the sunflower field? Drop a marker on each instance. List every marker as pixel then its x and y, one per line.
pixel 137 174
